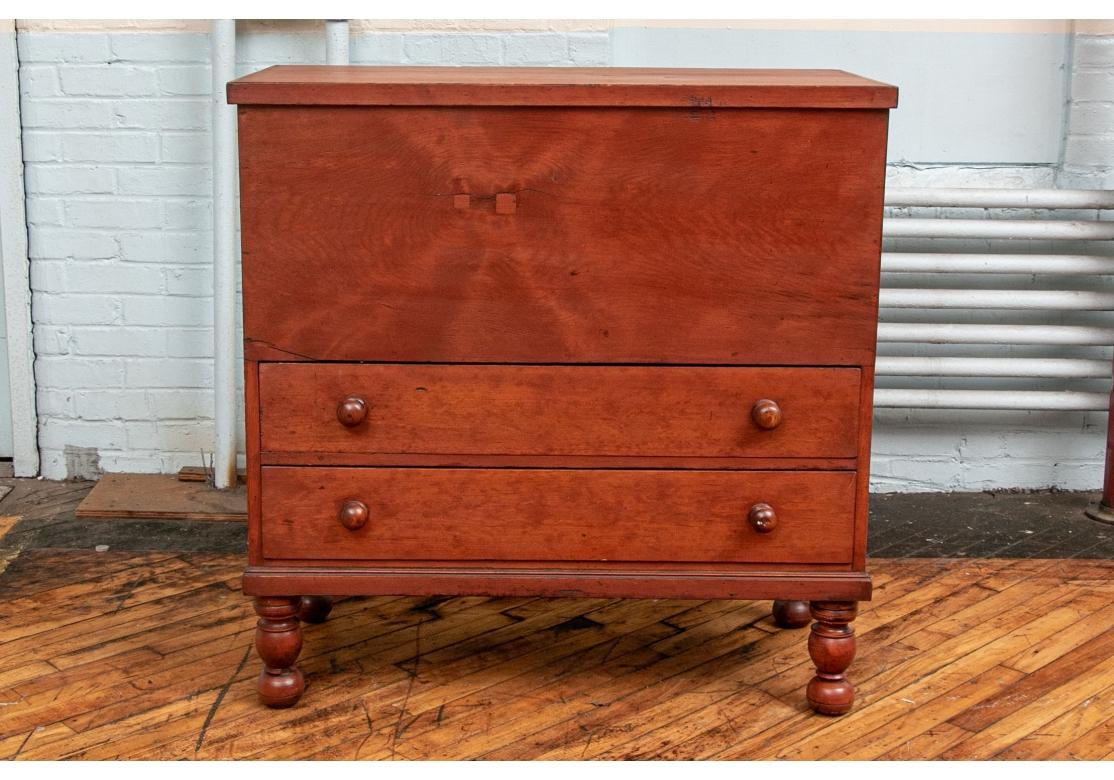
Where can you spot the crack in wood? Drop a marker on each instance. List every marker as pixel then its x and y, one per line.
pixel 220 697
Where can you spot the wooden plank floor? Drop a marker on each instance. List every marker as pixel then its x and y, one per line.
pixel 125 654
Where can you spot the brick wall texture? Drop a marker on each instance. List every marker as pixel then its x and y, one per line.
pixel 117 155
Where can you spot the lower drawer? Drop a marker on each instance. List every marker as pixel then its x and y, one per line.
pixel 405 514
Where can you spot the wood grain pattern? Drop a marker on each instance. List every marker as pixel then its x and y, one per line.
pixel 633 411
pixel 161 496
pixel 160 677
pixel 592 332
pixel 556 515
pixel 640 236
pixel 341 458
pixel 677 87
pixel 501 578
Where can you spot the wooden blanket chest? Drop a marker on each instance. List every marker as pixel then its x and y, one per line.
pixel 559 332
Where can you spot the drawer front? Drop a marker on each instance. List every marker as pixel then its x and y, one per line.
pixel 381 514
pixel 631 411
pixel 561 235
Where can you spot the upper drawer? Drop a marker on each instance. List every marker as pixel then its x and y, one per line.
pixel 559 410
pixel 561 235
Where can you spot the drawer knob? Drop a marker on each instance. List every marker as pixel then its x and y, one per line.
pixel 352 411
pixel 762 518
pixel 766 414
pixel 353 514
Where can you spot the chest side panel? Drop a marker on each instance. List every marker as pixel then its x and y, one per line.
pixel 556 235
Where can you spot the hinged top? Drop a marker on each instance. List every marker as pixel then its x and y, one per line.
pixel 454 86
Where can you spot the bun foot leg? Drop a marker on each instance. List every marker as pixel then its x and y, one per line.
pixel 281 689
pixel 278 640
pixel 831 644
pixel 791 614
pixel 315 609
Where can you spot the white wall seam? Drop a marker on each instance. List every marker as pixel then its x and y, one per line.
pixel 16 267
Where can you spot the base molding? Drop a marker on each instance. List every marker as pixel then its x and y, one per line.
pixel 803 586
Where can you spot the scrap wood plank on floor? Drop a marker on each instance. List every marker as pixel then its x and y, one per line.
pixel 161 497
pixel 202 474
pixel 144 655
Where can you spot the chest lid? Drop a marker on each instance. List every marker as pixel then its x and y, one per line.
pixel 498 86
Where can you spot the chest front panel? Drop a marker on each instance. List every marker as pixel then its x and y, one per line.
pixel 561 235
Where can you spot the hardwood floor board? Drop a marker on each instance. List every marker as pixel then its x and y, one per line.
pixel 657 704
pixel 490 708
pixel 938 672
pixel 104 743
pixel 664 728
pixel 65 693
pixel 379 671
pixel 241 708
pixel 1043 743
pixel 614 621
pixel 35 614
pixel 37 571
pixel 118 665
pixel 1016 568
pixel 1089 746
pixel 1045 652
pixel 924 716
pixel 1003 733
pixel 769 650
pixel 894 627
pixel 879 695
pixel 591 668
pixel 451 720
pixel 585 703
pixel 927 745
pixel 505 642
pixel 1036 684
pixel 192 653
pixel 110 696
pixel 108 595
pixel 225 612
pixel 125 655
pixel 699 702
pixel 16 745
pixel 15 675
pixel 897 622
pixel 932 676
pixel 693 738
pixel 76 642
pixel 749 645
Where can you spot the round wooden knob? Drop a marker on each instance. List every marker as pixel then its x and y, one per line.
pixel 762 518
pixel 352 411
pixel 353 514
pixel 766 414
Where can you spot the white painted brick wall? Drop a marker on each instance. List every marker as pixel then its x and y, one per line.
pixel 117 156
pixel 1089 142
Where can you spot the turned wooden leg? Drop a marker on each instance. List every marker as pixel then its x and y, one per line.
pixel 315 609
pixel 278 640
pixel 791 614
pixel 832 647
